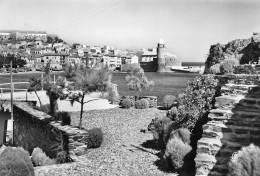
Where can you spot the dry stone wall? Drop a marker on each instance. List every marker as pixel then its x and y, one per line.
pixel 33 128
pixel 234 123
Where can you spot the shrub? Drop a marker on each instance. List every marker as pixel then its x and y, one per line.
pixel 144 103
pixel 245 162
pixel 244 69
pixel 197 100
pixel 138 104
pixel 168 101
pixel 64 116
pixel 39 158
pixel 181 133
pixel 95 138
pixel 161 129
pixel 15 162
pixel 62 157
pixel 172 113
pixel 215 69
pixel 126 103
pixel 228 66
pixel 176 152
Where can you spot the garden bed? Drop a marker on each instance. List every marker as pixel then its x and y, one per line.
pixel 124 150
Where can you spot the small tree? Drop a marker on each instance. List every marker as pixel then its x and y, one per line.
pixel 70 70
pixel 137 81
pixel 89 81
pixel 54 91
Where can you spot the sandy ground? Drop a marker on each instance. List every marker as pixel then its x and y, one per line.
pixel 63 105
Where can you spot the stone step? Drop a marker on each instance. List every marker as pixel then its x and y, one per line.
pixel 227 102
pixel 236 89
pixel 209 146
pixel 220 114
pixel 237 102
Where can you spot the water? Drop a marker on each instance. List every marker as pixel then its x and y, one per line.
pixel 164 84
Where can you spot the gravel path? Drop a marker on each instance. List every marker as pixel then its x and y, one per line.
pixel 122 152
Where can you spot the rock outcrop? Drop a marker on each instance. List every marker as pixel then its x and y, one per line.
pixel 245 50
pixel 235 123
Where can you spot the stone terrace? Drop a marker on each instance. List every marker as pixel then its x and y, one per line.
pixel 234 123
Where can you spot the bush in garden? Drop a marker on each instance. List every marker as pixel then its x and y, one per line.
pixel 15 162
pixel 245 162
pixel 168 101
pixel 126 103
pixel 39 158
pixel 64 116
pixel 215 69
pixel 181 133
pixel 138 104
pixel 176 153
pixel 196 100
pixel 161 129
pixel 172 113
pixel 144 103
pixel 62 157
pixel 244 69
pixel 228 66
pixel 95 138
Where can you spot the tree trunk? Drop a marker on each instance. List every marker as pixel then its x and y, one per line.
pixel 81 112
pixel 53 103
pixel 38 98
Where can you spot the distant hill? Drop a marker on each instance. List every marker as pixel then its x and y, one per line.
pixel 244 50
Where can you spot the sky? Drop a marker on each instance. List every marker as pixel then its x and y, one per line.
pixel 188 27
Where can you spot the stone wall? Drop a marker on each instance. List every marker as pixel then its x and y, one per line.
pixel 33 128
pixel 234 123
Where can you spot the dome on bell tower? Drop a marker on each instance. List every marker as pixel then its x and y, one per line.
pixel 161 41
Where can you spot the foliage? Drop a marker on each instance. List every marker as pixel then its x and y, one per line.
pixel 15 162
pixel 16 61
pixel 245 162
pixel 70 70
pixel 95 138
pixel 62 157
pixel 39 158
pixel 196 100
pixel 138 104
pixel 168 101
pixel 181 133
pixel 244 69
pixel 113 96
pixel 35 84
pixel 161 129
pixel 137 81
pixel 54 91
pixel 215 69
pixel 228 66
pixel 89 81
pixel 126 103
pixel 176 153
pixel 64 116
pixel 144 103
pixel 172 113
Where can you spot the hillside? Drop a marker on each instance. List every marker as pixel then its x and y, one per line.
pixel 245 50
